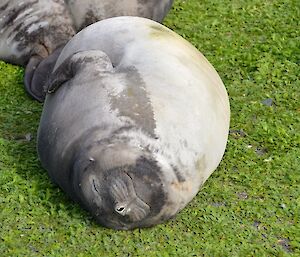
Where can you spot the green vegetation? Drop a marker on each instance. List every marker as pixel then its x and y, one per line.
pixel 250 206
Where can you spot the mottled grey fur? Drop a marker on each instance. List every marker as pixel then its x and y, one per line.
pixel 89 11
pixel 32 30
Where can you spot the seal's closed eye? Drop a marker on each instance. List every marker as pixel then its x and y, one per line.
pixel 95 187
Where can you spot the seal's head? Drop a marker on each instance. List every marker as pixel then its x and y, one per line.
pixel 122 193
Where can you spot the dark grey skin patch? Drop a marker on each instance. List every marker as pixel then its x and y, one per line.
pixel 133 102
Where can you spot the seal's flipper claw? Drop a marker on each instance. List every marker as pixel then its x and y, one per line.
pixel 37 73
pixel 63 73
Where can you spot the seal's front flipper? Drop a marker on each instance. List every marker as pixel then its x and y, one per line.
pixel 75 64
pixel 37 73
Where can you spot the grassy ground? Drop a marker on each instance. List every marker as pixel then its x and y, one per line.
pixel 248 207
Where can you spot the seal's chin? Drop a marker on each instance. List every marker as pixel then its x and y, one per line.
pixel 124 197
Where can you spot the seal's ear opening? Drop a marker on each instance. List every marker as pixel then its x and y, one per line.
pixel 37 73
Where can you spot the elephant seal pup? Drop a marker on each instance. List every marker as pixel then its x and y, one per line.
pixel 134 122
pixel 90 11
pixel 31 30
pixel 34 31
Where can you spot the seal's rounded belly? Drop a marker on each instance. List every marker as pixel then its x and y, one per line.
pixel 134 122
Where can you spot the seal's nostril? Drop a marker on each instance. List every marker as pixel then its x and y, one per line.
pixel 120 209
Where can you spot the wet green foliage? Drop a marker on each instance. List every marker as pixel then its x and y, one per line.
pixel 248 207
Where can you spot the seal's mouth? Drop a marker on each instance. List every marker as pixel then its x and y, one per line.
pixel 127 204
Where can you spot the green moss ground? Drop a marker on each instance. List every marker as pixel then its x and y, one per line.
pixel 248 207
